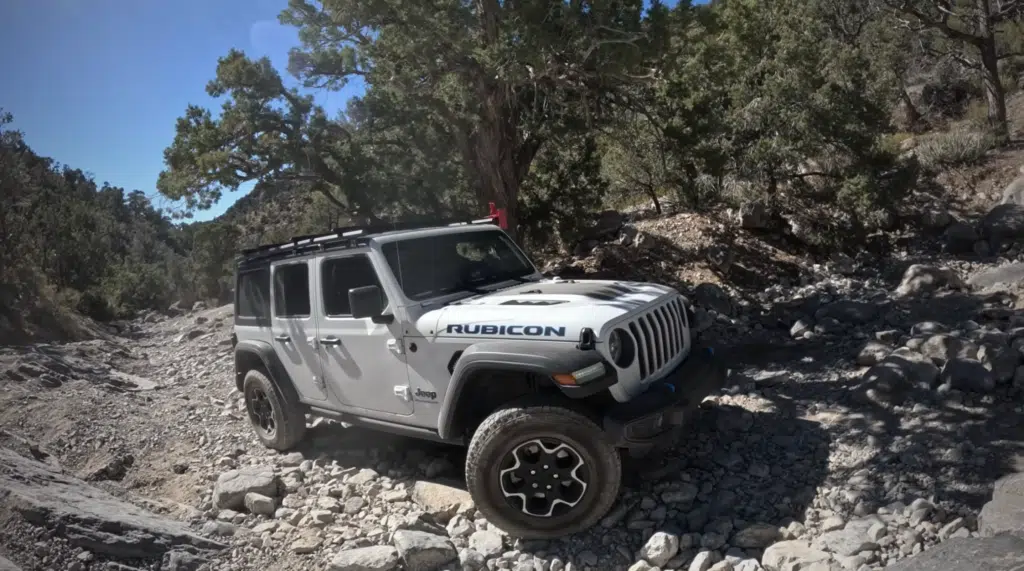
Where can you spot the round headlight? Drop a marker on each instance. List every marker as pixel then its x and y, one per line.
pixel 621 348
pixel 615 345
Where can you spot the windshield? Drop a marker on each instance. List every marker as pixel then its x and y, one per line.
pixel 437 265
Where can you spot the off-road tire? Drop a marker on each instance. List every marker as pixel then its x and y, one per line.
pixel 289 419
pixel 514 426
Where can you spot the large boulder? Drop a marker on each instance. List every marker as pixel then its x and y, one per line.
pixel 88 517
pixel 232 486
pixel 794 554
pixel 921 278
pixel 422 551
pixel 1002 553
pixel 712 296
pixel 1005 513
pixel 442 501
pixel 960 238
pixel 1014 192
pixel 1005 222
pixel 373 558
pixel 1008 277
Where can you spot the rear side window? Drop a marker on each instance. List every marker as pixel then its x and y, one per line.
pixel 341 275
pixel 291 290
pixel 254 293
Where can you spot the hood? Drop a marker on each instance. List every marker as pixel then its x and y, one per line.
pixel 553 310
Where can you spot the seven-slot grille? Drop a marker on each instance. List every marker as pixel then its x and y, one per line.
pixel 658 335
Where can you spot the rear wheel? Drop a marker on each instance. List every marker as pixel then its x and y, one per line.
pixel 541 471
pixel 278 421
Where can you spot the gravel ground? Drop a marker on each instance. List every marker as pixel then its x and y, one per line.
pixel 859 427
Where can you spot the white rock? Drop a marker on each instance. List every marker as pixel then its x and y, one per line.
pixel 660 548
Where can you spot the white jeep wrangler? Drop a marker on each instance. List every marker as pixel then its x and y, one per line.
pixel 451 334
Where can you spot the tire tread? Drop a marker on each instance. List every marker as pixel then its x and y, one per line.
pixel 531 408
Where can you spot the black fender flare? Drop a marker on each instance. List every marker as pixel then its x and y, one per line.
pixel 531 357
pixel 263 351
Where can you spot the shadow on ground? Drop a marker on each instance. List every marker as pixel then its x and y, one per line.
pixel 946 446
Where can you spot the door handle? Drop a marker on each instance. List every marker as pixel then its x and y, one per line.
pixel 330 341
pixel 282 338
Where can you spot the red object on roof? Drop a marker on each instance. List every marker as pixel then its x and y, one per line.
pixel 499 215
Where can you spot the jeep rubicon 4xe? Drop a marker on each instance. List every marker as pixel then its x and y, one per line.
pixel 450 333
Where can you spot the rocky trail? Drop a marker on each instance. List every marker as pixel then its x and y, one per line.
pixel 869 413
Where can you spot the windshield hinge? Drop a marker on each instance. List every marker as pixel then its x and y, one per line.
pixel 396 346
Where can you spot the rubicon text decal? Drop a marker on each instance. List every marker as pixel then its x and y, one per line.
pixel 528 330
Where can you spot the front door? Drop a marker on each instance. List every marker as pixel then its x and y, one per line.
pixel 363 362
pixel 293 327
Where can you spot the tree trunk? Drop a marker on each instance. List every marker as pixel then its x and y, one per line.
pixel 995 96
pixel 993 85
pixel 657 203
pixel 913 116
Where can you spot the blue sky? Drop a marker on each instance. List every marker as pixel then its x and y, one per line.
pixel 98 84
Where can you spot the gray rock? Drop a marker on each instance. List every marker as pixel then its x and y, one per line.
pixel 375 558
pixel 967 375
pixel 1005 513
pixel 7 565
pixel 660 548
pixel 1014 192
pixel 936 219
pixel 703 561
pixel 947 531
pixel 1002 361
pixel 174 560
pixel 941 348
pixel 1010 487
pixel 872 353
pixel 848 311
pixel 487 543
pixel 960 238
pixel 1002 553
pixel 440 500
pixel 1004 222
pixel 259 504
pixel 793 555
pixel 799 328
pixel 845 542
pixel 88 517
pixel 1002 277
pixel 683 494
pixel 712 296
pixel 756 536
pixel 920 278
pixel 470 559
pixel 232 486
pixel 422 551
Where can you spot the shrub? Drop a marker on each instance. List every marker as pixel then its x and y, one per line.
pixel 953 149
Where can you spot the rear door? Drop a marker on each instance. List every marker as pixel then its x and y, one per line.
pixel 363 362
pixel 293 326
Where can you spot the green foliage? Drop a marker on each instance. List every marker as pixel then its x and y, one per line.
pixel 953 149
pixel 93 249
pixel 564 188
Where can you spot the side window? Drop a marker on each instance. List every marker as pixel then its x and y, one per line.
pixel 253 291
pixel 341 275
pixel 291 290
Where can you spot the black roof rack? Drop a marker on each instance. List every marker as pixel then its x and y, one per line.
pixel 347 236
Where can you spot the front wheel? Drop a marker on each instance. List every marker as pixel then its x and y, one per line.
pixel 541 472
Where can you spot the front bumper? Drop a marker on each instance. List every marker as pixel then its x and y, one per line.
pixel 654 416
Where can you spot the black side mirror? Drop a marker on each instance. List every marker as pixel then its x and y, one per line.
pixel 367 301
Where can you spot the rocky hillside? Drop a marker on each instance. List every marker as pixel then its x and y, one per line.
pixel 871 405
